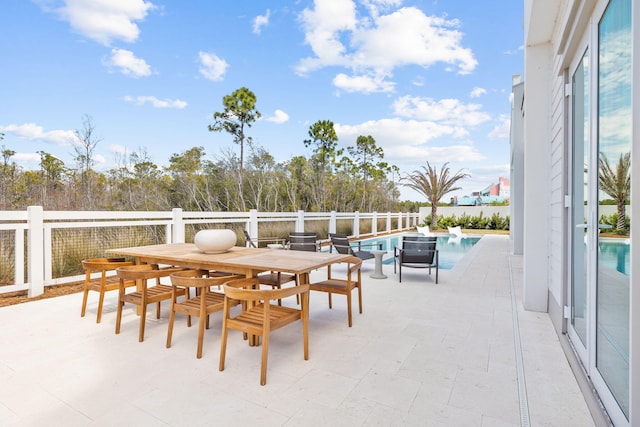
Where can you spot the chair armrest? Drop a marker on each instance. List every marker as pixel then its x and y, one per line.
pixel 370 245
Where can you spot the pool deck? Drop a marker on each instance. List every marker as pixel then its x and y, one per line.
pixel 460 353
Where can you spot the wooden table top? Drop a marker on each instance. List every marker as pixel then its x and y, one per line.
pixel 248 261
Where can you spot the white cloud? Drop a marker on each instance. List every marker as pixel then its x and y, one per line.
pixel 406 142
pixel 477 92
pixel 26 158
pixel 448 111
pixel 376 6
pixel 365 84
pixel 105 20
pixel 118 149
pixel 278 117
pixel 31 131
pixel 155 102
pixel 323 26
pixel 128 64
pixel 515 51
pixel 212 67
pixel 261 21
pixel 503 129
pixel 376 44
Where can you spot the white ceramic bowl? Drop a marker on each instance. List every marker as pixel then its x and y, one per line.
pixel 215 241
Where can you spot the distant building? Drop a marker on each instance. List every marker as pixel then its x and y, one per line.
pixel 494 193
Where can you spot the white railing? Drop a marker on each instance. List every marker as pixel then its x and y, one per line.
pixel 36 225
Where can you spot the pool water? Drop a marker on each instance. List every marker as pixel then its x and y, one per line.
pixel 615 254
pixel 450 249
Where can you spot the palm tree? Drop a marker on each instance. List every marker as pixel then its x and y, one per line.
pixel 434 185
pixel 617 184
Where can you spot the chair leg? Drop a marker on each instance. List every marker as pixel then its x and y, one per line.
pixel 201 324
pixel 265 354
pixel 100 305
pixel 349 306
pixel 84 302
pixel 143 319
pixel 223 342
pixel 360 298
pixel 172 317
pixel 158 310
pixel 119 313
pixel 305 325
pixel 329 294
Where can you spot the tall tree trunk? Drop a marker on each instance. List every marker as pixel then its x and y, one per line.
pixel 621 224
pixel 434 215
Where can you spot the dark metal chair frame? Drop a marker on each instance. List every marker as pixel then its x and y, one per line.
pixel 254 243
pixel 303 241
pixel 416 252
pixel 342 245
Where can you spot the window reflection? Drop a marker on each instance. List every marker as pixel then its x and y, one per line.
pixel 614 146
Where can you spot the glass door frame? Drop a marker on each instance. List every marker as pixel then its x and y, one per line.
pixel 583 350
pixel 587 353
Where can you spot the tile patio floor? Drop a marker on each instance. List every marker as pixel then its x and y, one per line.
pixel 421 355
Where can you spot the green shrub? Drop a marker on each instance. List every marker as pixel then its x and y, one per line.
pixel 480 222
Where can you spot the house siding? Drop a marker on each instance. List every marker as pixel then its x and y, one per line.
pixel 556 198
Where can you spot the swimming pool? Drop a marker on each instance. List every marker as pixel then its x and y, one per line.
pixel 615 254
pixel 450 249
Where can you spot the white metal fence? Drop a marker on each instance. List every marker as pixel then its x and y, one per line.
pixel 26 237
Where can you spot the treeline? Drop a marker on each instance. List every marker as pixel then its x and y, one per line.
pixel 325 181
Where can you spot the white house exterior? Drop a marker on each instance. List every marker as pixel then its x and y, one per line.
pixel 577 107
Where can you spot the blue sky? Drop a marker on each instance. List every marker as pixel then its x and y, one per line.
pixel 429 80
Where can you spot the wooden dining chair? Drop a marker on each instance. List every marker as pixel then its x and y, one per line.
pixel 204 302
pixel 276 279
pixel 145 294
pixel 343 286
pixel 107 282
pixel 259 317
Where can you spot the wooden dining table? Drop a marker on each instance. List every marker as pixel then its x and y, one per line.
pixel 238 260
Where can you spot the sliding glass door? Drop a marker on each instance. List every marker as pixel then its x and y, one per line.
pixel 614 187
pixel 599 188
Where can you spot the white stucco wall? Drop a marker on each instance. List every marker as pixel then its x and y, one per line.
pixel 536 176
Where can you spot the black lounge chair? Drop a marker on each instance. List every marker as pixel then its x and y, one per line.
pixel 416 252
pixel 254 243
pixel 341 243
pixel 303 241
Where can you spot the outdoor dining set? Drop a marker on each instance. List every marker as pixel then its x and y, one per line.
pixel 245 284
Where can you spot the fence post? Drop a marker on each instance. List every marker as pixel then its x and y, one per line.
pixel 374 224
pixel 356 224
pixel 388 222
pixel 253 224
pixel 300 221
pixel 408 220
pixel 178 226
pixel 333 221
pixel 399 221
pixel 35 251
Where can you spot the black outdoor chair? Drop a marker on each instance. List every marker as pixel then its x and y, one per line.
pixel 416 252
pixel 254 243
pixel 303 241
pixel 341 243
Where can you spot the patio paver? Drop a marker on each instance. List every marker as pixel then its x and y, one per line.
pixel 420 354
